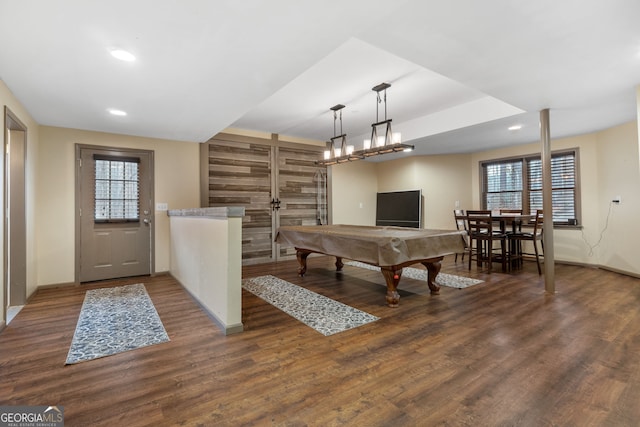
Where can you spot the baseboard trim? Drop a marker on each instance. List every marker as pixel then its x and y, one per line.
pixel 615 270
pixel 601 267
pixel 58 285
pixel 66 284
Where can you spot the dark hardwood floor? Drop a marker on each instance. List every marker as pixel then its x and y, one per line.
pixel 502 353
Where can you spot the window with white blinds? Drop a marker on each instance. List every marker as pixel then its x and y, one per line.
pixel 563 186
pixel 116 190
pixel 503 183
pixel 517 184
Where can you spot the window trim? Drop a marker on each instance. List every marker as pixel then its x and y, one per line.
pixel 525 158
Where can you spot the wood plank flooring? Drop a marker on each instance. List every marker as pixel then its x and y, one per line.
pixel 502 353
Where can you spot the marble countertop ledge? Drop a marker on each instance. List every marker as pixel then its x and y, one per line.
pixel 216 213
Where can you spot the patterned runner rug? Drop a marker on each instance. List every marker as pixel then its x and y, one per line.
pixel 317 311
pixel 442 279
pixel 113 320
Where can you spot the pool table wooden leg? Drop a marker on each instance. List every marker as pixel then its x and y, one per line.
pixel 392 277
pixel 301 255
pixel 433 268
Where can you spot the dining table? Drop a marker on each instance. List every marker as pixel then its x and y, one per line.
pixel 514 219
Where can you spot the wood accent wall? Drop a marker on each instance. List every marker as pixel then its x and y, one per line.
pixel 251 172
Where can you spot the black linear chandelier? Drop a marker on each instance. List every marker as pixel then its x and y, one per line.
pixel 390 142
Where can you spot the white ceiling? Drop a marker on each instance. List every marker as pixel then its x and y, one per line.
pixel 462 71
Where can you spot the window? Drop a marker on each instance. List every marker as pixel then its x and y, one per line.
pixel 116 192
pixel 517 184
pixel 503 185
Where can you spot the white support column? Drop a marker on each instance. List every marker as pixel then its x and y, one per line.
pixel 547 203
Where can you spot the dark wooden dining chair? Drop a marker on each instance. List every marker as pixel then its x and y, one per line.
pixel 534 236
pixel 482 236
pixel 460 218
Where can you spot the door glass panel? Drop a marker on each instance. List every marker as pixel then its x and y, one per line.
pixel 116 191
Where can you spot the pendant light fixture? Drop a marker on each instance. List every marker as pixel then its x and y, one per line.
pixel 388 142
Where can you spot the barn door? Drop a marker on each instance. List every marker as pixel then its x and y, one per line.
pixel 276 183
pixel 301 191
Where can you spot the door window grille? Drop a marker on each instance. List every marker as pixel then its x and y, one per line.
pixel 117 190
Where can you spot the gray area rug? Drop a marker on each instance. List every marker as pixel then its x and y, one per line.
pixel 317 311
pixel 113 320
pixel 442 279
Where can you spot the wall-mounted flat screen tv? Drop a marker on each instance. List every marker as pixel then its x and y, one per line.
pixel 399 208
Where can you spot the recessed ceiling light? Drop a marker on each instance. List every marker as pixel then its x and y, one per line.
pixel 515 127
pixel 117 112
pixel 123 55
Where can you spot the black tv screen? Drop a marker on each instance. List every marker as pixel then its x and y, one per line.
pixel 399 208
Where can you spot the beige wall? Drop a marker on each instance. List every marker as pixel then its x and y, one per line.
pixel 176 183
pixel 444 180
pixel 618 156
pixel 8 99
pixel 353 188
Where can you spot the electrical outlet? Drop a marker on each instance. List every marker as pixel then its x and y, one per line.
pixel 161 207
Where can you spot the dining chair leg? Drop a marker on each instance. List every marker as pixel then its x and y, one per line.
pixel 535 248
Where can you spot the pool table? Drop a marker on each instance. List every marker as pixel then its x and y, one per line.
pixel 390 248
